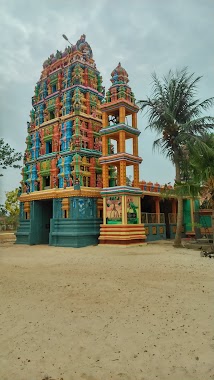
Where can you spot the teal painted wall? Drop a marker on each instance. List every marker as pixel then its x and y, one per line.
pixel 205 221
pixel 196 205
pixel 47 225
pixel 81 228
pixel 40 216
pixel 57 208
pixel 83 208
pixel 155 232
pixel 74 233
pixel 23 232
pixel 187 222
pixel 172 233
pixel 36 229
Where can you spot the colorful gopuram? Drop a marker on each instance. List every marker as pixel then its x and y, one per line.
pixel 74 189
pixel 62 174
pixel 121 203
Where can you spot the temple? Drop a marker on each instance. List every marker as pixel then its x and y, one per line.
pixel 74 189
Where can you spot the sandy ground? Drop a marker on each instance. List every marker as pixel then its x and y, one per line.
pixel 106 313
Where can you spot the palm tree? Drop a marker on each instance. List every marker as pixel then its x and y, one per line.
pixel 176 116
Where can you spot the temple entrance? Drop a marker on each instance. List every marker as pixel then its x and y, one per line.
pixel 166 209
pixel 41 214
pixel 147 204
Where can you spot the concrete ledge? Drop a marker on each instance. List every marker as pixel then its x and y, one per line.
pixel 7 236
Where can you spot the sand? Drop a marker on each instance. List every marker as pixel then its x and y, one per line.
pixel 105 313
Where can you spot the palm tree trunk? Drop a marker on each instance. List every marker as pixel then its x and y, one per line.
pixel 177 242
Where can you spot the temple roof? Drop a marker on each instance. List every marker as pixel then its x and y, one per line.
pixel 81 45
pixel 119 75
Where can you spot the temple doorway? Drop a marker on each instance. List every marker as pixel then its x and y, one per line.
pixel 166 209
pixel 41 215
pixel 147 204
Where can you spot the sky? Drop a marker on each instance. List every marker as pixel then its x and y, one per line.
pixel 146 36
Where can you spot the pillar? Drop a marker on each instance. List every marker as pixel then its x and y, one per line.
pixel 136 175
pixel 122 141
pixel 27 209
pixel 118 175
pixel 139 208
pixel 118 146
pixel 104 210
pixel 124 210
pixel 65 207
pixel 122 115
pixel 134 120
pixel 192 215
pixel 105 175
pixel 86 77
pixel 105 119
pixel 104 145
pixel 93 177
pixel 88 103
pixel 135 145
pixel 157 208
pixel 90 136
pixel 122 173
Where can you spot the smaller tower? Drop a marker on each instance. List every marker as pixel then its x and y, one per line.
pixel 121 203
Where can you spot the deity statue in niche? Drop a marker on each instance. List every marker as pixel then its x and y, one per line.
pixel 55 182
pixel 132 213
pixel 94 112
pixel 25 157
pixel 77 143
pixel 99 180
pixel 114 205
pixel 58 106
pixel 60 79
pixel 77 99
pixel 36 185
pixel 56 144
pixel 46 114
pixel 96 143
pixel 77 75
pixel 32 116
pixel 27 187
pixel 49 87
pixel 64 183
pixel 36 92
pixel 121 92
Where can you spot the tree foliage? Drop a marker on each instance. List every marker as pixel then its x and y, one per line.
pixel 12 203
pixel 177 117
pixel 202 162
pixel 8 156
pixel 10 210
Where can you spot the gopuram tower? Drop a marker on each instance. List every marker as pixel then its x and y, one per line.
pixel 62 176
pixel 121 203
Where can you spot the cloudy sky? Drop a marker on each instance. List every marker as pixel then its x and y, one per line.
pixel 145 35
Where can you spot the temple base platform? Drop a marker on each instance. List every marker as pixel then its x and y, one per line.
pixel 74 233
pixel 127 234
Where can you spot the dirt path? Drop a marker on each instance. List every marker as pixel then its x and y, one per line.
pixel 101 313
